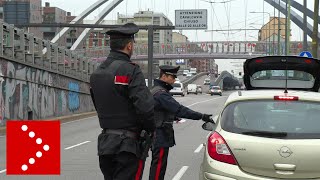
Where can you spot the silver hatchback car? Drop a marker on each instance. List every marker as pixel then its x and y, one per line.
pixel 272 130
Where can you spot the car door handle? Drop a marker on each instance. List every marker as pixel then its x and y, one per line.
pixel 285 167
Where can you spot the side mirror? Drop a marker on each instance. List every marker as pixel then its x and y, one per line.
pixel 209 126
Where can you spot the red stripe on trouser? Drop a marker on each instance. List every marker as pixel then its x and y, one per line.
pixel 159 163
pixel 140 168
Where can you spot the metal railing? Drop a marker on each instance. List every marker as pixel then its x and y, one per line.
pixel 19 46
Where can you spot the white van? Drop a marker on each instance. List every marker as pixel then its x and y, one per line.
pixel 192 88
pixel 193 71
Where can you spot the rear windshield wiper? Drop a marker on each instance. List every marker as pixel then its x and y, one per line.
pixel 265 133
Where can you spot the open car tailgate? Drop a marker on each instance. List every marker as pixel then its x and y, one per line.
pixel 278 72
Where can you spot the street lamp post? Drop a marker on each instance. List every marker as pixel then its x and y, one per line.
pixel 267 29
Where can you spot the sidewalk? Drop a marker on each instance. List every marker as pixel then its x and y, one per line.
pixel 63 119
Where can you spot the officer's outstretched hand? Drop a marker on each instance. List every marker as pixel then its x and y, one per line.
pixel 207 118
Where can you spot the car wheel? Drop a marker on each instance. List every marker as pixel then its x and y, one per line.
pixel 182 95
pixel 211 94
pixel 220 94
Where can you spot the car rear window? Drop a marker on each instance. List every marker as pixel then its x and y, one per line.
pixel 276 79
pixel 176 85
pixel 299 119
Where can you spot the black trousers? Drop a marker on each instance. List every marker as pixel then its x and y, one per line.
pixel 122 166
pixel 159 163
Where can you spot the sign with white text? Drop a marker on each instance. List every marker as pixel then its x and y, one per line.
pixel 191 19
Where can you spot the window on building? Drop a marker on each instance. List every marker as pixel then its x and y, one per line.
pixel 95 42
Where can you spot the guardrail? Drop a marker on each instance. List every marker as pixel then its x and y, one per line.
pixel 25 48
pixel 193 78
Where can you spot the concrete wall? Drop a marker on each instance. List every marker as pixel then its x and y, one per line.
pixel 26 90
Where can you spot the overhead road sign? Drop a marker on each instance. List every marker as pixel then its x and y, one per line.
pixel 191 19
pixel 305 54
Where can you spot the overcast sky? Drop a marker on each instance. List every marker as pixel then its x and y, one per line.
pixel 236 12
pixel 233 15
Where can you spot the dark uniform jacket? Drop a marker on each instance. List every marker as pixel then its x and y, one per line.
pixel 122 101
pixel 165 103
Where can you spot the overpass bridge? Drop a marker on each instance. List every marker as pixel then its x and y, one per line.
pixel 226 81
pixel 201 50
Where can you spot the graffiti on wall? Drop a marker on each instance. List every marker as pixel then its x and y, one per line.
pixel 25 90
pixel 74 102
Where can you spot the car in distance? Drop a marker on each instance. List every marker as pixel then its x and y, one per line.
pixel 199 89
pixel 177 89
pixel 185 72
pixel 268 131
pixel 192 88
pixel 206 81
pixel 215 90
pixel 189 74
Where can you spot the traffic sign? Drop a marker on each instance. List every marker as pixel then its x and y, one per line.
pixel 191 19
pixel 305 54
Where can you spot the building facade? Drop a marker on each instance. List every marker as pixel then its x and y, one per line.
pixel 270 30
pixel 180 39
pixel 23 12
pixel 52 15
pixel 160 37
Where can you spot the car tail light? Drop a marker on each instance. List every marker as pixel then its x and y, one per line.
pixel 308 61
pixel 286 98
pixel 219 150
pixel 259 61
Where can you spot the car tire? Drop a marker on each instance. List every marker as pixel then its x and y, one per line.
pixel 220 94
pixel 211 94
pixel 182 95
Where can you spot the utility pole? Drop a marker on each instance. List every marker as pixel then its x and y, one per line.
pixel 315 42
pixel 274 29
pixel 279 30
pixel 305 40
pixel 150 55
pixel 288 7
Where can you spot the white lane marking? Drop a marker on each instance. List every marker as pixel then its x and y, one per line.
pixel 76 145
pixel 179 175
pixel 199 148
pixel 204 101
pixel 78 120
pixel 2 171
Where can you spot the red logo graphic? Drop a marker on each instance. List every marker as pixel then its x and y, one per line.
pixel 33 147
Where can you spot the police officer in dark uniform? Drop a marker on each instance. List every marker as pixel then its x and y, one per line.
pixel 125 107
pixel 167 109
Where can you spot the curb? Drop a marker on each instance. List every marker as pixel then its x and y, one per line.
pixel 62 119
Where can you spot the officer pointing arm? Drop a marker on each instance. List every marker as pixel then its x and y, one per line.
pixel 166 110
pixel 166 101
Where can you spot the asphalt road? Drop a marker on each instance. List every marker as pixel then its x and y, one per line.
pixel 79 160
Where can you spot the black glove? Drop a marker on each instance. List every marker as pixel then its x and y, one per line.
pixel 207 118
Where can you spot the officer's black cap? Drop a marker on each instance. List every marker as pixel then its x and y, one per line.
pixel 171 70
pixel 126 31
